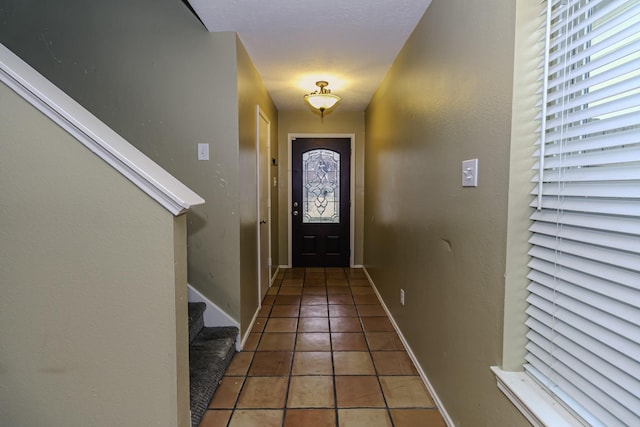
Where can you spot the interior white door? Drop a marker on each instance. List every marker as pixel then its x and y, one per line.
pixel 264 205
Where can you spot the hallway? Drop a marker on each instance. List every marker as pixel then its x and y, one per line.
pixel 322 353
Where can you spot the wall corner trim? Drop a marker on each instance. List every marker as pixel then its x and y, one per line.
pixel 95 135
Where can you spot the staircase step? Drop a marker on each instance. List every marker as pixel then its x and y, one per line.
pixel 196 321
pixel 209 355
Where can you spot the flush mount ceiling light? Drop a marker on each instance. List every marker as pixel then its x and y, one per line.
pixel 322 99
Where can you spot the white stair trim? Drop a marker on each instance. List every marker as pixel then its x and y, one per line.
pixel 213 315
pixel 95 135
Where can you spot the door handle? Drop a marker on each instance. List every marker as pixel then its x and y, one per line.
pixel 295 213
pixel 264 221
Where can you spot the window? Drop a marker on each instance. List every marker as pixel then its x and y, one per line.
pixel 584 280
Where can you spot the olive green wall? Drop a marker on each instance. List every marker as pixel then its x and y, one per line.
pixel 252 93
pixel 447 98
pixel 91 273
pixel 152 72
pixel 306 122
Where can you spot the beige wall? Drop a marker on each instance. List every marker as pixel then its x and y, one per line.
pixel 446 99
pixel 306 122
pixel 88 272
pixel 152 72
pixel 251 93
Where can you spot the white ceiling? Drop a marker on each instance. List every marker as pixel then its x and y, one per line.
pixel 294 43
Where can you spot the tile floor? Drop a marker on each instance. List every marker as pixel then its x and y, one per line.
pixel 322 353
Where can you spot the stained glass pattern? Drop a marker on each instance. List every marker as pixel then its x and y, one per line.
pixel 321 186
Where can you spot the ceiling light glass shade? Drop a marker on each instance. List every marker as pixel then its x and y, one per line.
pixel 322 101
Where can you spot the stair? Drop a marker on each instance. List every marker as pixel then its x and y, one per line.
pixel 210 352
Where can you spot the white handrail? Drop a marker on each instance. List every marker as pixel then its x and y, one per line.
pixel 95 135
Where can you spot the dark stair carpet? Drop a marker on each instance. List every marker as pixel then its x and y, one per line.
pixel 210 352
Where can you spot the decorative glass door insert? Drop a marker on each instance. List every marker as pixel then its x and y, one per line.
pixel 321 186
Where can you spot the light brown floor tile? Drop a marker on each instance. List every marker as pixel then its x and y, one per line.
pixel 290 290
pixel 314 311
pixel 262 418
pixel 337 282
pixel 285 311
pixel 357 281
pixel 376 324
pixel 363 418
pixel 313 341
pixel 271 363
pixel 311 392
pixel 258 325
pixel 263 392
pixel 313 300
pixel 393 363
pixel 317 290
pixel 335 273
pixel 268 300
pixel 314 273
pixel 383 341
pixel 252 341
pixel 338 290
pixel 341 299
pixel 417 418
pixel 217 418
pixel 227 393
pixel 343 311
pixel 273 291
pixel 358 392
pixel 281 324
pixel 345 341
pixel 370 310
pixel 264 311
pixel 310 418
pixel 366 299
pixel 345 324
pixel 290 282
pixel 313 324
pixel 355 273
pixel 240 363
pixel 406 392
pixel 288 300
pixel 312 363
pixel 276 342
pixel 353 363
pixel 362 290
pixel 314 282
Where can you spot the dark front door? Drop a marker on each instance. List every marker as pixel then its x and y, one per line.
pixel 320 211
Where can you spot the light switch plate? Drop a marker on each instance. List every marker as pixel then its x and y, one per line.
pixel 203 151
pixel 470 173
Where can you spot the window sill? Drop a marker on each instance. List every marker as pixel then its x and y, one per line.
pixel 533 401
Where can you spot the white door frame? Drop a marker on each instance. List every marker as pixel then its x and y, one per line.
pixel 261 115
pixel 352 185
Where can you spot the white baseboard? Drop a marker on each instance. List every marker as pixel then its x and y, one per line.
pixel 273 277
pixel 213 315
pixel 427 383
pixel 250 328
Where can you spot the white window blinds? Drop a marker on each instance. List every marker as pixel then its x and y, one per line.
pixel 584 303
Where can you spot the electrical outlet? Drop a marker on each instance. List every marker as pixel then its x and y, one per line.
pixel 203 151
pixel 402 296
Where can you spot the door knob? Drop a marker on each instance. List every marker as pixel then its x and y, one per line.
pixel 295 213
pixel 264 221
pixel 295 204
